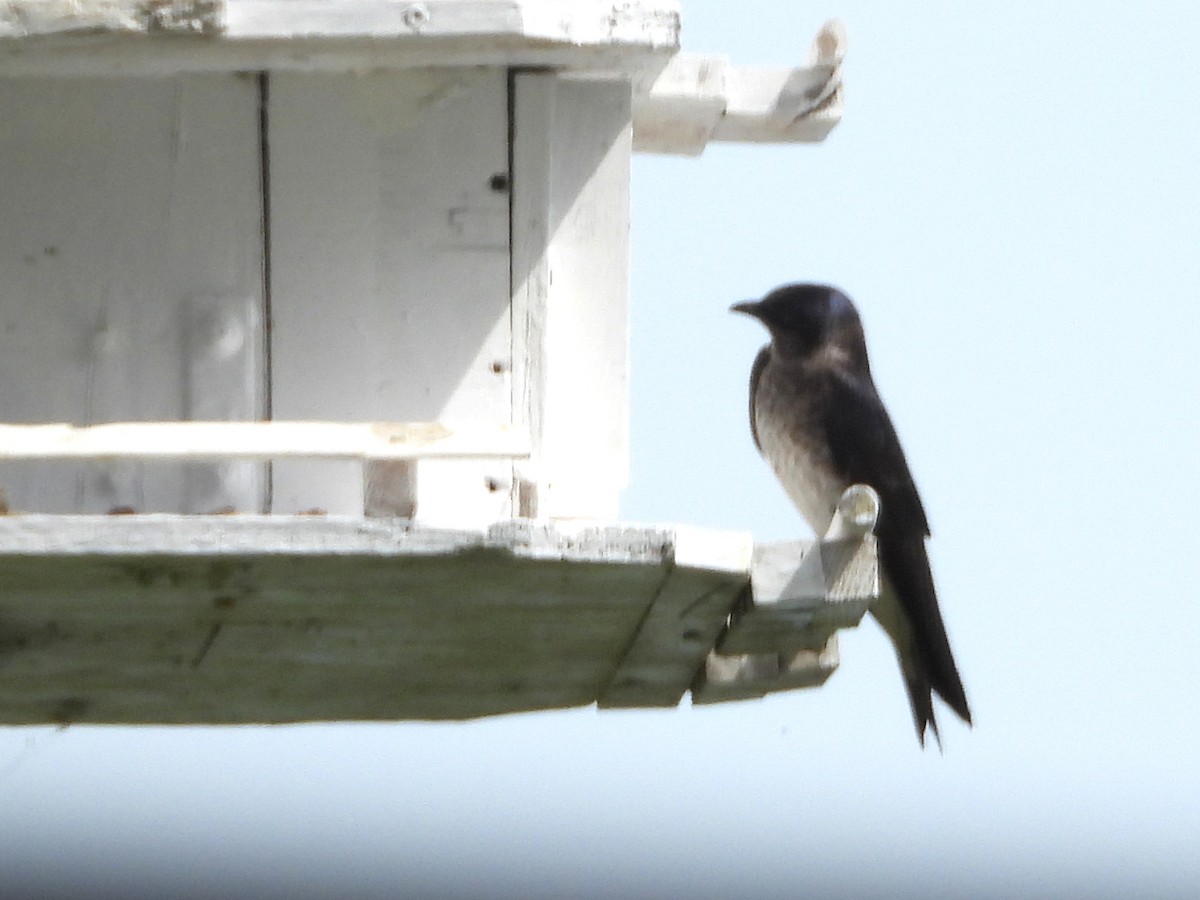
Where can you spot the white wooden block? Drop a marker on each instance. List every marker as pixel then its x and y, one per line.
pixel 706 548
pixel 679 112
pixel 726 678
pixel 390 489
pixel 782 634
pixel 803 591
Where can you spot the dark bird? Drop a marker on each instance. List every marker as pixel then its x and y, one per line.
pixel 817 419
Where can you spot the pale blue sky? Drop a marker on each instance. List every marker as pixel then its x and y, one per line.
pixel 1013 200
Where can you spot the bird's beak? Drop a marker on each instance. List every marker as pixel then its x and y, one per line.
pixel 749 307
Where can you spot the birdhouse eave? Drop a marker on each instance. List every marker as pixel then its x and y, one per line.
pixel 130 37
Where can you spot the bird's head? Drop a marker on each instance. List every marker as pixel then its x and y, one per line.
pixel 807 319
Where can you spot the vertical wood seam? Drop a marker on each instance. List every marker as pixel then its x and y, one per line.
pixel 264 170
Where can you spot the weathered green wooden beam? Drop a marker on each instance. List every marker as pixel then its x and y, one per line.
pixel 238 619
pixel 164 619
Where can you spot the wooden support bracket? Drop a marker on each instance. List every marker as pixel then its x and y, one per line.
pixel 698 99
pixel 782 635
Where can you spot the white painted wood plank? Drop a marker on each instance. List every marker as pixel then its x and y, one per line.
pixel 302 535
pixel 679 111
pixel 76 36
pixel 575 22
pixel 259 440
pixel 309 19
pixel 390 272
pixel 571 153
pixel 572 22
pixel 130 276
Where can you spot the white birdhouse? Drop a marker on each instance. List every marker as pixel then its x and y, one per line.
pixel 314 345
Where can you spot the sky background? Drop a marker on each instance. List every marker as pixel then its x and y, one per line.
pixel 1012 198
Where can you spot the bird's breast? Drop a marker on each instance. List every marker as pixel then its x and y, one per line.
pixel 793 443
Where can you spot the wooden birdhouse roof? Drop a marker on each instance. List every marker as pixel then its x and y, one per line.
pixel 681 101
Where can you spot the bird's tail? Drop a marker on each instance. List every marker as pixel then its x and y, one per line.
pixel 919 636
pixel 920 699
pixel 888 613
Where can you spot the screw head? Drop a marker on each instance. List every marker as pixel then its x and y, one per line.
pixel 415 16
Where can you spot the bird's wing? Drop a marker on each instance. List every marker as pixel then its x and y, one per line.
pixel 760 363
pixel 866 450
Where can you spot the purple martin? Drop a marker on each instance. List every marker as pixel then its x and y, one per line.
pixel 816 417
